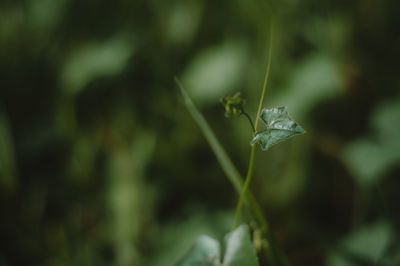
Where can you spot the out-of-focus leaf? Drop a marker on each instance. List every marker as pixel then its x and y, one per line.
pixel 366 160
pixel 386 120
pixel 93 61
pixel 239 251
pixel 280 127
pixel 369 158
pixel 368 243
pixel 198 221
pixel 315 79
pixel 205 252
pixel 183 20
pixel 215 71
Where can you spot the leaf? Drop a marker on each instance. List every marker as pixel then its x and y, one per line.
pixel 370 157
pixel 239 251
pixel 205 252
pixel 182 20
pixel 198 221
pixel 316 78
pixel 280 127
pixel 215 71
pixel 94 60
pixel 367 243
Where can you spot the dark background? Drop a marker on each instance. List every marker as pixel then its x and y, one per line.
pixel 101 164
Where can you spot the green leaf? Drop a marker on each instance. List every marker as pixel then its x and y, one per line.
pixel 316 78
pixel 368 243
pixel 205 252
pixel 280 127
pixel 369 158
pixel 215 71
pixel 239 251
pixel 95 60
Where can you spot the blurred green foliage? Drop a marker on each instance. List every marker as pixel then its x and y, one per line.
pixel 100 163
pixel 239 250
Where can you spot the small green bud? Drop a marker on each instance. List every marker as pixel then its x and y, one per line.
pixel 233 105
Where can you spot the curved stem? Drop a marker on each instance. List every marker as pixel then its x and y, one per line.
pixel 251 121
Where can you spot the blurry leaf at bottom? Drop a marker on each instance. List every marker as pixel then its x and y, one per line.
pixel 206 251
pixel 239 251
pixel 368 244
pixel 239 248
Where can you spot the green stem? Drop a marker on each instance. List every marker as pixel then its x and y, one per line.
pixel 253 149
pixel 245 187
pixel 274 254
pixel 265 79
pixel 251 121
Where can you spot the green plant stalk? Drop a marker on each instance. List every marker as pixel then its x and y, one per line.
pixel 272 252
pixel 274 255
pixel 253 148
pixel 250 121
pixel 239 207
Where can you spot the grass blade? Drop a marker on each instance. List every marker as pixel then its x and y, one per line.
pixel 226 163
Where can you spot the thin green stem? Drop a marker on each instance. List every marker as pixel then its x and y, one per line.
pixel 251 121
pixel 245 187
pixel 266 78
pixel 253 148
